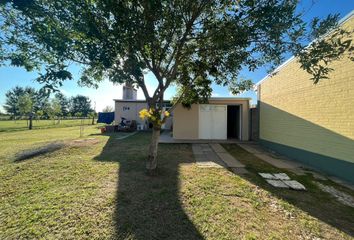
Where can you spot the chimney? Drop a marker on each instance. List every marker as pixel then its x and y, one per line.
pixel 129 92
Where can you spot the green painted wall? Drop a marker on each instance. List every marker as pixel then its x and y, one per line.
pixel 331 166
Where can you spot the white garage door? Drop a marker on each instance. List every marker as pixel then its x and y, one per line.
pixel 212 121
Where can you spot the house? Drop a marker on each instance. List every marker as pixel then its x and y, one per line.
pixel 129 107
pixel 221 118
pixel 311 123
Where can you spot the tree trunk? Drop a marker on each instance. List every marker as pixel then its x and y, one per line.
pixel 93 120
pixel 30 122
pixel 151 164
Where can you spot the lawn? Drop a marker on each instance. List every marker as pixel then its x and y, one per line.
pixel 98 189
pixel 11 125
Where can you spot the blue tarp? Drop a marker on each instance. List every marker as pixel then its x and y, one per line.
pixel 105 117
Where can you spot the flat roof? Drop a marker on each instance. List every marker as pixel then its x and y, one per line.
pixel 340 22
pixel 229 98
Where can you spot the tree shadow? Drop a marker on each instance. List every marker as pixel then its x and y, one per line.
pixel 148 207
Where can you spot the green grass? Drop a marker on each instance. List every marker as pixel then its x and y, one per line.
pixel 99 190
pixel 18 125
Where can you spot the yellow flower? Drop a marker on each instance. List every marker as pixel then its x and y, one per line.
pixel 167 113
pixel 144 113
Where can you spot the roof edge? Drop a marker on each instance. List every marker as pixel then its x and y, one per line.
pixel 230 98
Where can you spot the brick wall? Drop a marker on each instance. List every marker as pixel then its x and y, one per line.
pixel 316 118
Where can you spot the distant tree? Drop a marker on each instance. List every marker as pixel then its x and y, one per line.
pixel 108 109
pixel 64 103
pixel 92 115
pixel 39 114
pixel 80 104
pixel 78 114
pixel 12 96
pixel 56 109
pixel 49 112
pixel 41 99
pixel 25 107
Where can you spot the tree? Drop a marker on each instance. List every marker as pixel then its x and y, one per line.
pixel 92 115
pixel 39 114
pixel 25 107
pixel 190 44
pixel 108 109
pixel 12 99
pixel 41 99
pixel 80 104
pixel 64 103
pixel 56 109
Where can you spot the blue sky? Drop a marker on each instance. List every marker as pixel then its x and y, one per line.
pixel 104 95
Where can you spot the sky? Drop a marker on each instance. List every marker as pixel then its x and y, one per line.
pixel 107 91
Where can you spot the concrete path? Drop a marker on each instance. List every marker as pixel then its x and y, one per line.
pixel 206 157
pixel 279 162
pixel 214 155
pixel 227 158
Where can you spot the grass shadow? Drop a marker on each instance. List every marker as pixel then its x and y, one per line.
pixel 148 207
pixel 314 201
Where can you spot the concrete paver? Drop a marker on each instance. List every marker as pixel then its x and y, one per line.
pixel 277 183
pixel 205 156
pixel 294 185
pixel 214 155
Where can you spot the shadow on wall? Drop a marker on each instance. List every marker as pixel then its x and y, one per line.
pixel 148 207
pixel 307 142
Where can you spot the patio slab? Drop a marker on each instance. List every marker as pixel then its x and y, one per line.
pixel 205 157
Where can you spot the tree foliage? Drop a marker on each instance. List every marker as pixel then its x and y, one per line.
pixel 13 96
pixel 25 104
pixel 43 105
pixel 64 103
pixel 187 43
pixel 80 104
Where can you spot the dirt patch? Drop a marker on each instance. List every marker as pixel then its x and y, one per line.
pixel 31 153
pixel 52 147
pixel 84 142
pixel 342 197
